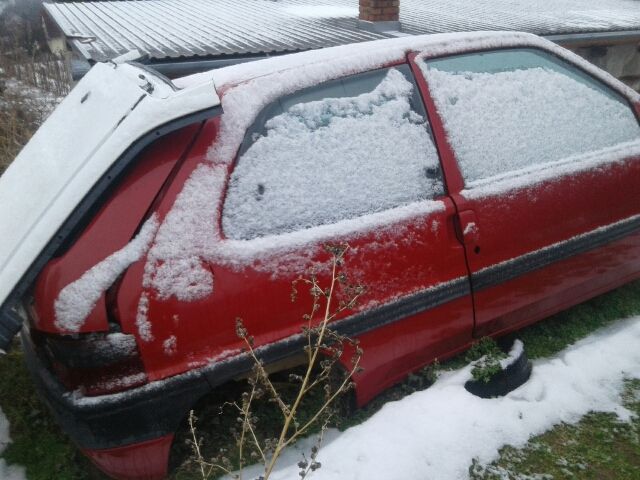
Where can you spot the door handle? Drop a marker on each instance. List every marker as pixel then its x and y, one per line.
pixel 469 228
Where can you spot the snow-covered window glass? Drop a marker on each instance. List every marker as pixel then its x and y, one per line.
pixel 508 110
pixel 343 149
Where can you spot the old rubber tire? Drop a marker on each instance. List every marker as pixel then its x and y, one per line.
pixel 504 381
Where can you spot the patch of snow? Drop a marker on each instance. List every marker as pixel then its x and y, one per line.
pixel 544 116
pixel 123 382
pixel 116 344
pixel 76 300
pixel 8 472
pixel 516 351
pixel 11 472
pixel 175 264
pixel 359 155
pixel 437 432
pixel 224 355
pixel 36 100
pixel 530 177
pixel 470 228
pixel 169 345
pixel 142 318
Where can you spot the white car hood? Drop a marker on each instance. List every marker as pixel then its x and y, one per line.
pixel 109 109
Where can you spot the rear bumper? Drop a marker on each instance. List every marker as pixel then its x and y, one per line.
pixel 128 435
pixel 142 414
pixel 141 461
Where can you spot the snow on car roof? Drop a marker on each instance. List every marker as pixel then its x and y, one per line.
pixel 265 80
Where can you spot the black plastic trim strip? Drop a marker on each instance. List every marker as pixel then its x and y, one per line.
pixel 10 318
pixel 408 306
pixel 157 408
pixel 510 269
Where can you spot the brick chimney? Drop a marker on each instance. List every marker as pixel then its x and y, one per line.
pixel 379 15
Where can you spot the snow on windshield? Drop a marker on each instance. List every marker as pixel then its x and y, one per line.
pixel 332 159
pixel 506 121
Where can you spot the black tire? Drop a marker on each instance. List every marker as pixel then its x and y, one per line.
pixel 504 381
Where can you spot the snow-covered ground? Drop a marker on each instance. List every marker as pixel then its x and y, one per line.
pixel 435 433
pixel 7 472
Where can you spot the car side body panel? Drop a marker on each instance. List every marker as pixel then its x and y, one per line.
pixel 203 332
pixel 535 248
pixel 111 229
pixel 544 246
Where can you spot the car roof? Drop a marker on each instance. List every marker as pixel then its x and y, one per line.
pixel 245 89
pixel 380 52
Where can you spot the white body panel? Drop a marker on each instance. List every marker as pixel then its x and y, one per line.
pixel 93 126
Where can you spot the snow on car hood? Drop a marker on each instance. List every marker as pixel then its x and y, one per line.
pixel 109 109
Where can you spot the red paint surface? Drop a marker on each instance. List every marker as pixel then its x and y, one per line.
pixel 413 255
pixel 110 230
pixel 138 461
pixel 525 220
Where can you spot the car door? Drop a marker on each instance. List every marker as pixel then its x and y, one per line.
pixel 548 194
pixel 353 161
pixel 348 161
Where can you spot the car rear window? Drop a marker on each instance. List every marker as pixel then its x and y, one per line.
pixel 511 109
pixel 340 150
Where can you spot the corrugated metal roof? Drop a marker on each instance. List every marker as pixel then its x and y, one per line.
pixel 170 29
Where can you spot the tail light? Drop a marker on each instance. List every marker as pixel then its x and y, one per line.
pixel 94 363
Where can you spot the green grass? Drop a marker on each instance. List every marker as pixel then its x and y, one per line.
pixel 599 447
pixel 542 339
pixel 38 443
pixel 608 447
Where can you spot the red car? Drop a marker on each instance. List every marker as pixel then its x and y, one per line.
pixel 483 180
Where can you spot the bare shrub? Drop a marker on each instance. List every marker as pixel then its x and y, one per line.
pixel 32 80
pixel 17 124
pixel 45 71
pixel 31 85
pixel 323 350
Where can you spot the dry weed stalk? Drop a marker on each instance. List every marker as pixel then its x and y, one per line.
pixel 324 348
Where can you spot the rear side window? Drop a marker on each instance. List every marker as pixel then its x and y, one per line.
pixel 343 149
pixel 512 109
